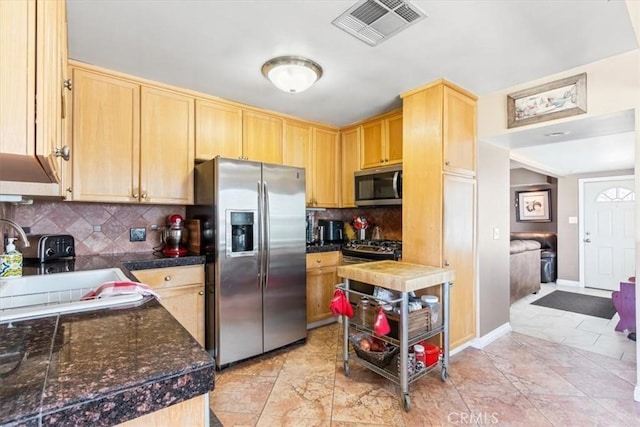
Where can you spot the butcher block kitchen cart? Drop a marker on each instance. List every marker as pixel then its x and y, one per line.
pixel 403 278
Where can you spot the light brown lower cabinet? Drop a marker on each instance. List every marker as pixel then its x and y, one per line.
pixel 322 277
pixel 181 291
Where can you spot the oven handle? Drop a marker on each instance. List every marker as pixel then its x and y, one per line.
pixel 397 184
pixel 349 260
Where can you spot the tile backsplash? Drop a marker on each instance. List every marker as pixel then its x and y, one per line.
pixel 388 218
pixel 97 228
pixel 114 222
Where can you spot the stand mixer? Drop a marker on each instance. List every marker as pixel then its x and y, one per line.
pixel 173 237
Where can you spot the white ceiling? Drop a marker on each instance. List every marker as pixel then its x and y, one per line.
pixel 218 47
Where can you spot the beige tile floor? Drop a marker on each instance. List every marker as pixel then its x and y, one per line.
pixel 572 329
pixel 518 380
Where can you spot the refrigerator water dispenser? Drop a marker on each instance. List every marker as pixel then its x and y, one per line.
pixel 242 227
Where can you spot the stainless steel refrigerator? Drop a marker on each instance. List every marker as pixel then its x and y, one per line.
pixel 252 222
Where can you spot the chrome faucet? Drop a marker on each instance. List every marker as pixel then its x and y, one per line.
pixel 19 229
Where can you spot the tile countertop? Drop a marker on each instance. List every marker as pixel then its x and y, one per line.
pixel 101 367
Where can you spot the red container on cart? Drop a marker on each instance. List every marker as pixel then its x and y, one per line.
pixel 432 353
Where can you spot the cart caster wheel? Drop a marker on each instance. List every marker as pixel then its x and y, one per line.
pixel 406 402
pixel 444 374
pixel 346 369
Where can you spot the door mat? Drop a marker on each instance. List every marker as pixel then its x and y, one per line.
pixel 578 303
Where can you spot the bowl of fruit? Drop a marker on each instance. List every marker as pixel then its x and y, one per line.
pixel 373 349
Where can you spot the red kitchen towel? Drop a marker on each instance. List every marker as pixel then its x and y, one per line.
pixel 381 324
pixel 120 288
pixel 340 304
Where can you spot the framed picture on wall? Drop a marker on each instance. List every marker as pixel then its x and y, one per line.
pixel 562 98
pixel 533 206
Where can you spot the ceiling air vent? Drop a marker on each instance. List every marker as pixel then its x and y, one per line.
pixel 374 21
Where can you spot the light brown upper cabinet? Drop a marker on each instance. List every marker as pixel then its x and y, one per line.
pixel 350 147
pixel 261 137
pixel 326 168
pixel 439 227
pixel 218 130
pixel 166 147
pixel 459 132
pixel 318 151
pixel 381 143
pixel 229 131
pixel 33 38
pixel 296 151
pixel 131 143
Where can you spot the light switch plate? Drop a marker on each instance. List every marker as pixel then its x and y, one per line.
pixel 496 233
pixel 137 234
pixel 573 220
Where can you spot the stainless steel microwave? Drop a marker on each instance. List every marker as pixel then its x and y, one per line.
pixel 379 186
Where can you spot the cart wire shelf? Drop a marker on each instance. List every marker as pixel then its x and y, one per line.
pixel 390 371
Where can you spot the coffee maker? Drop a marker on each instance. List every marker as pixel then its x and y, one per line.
pixel 174 237
pixel 332 231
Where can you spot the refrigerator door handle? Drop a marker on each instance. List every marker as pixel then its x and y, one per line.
pixel 267 233
pixel 260 236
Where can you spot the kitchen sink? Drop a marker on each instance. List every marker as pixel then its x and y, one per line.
pixel 44 295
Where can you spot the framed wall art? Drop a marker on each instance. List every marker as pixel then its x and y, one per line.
pixel 562 98
pixel 533 206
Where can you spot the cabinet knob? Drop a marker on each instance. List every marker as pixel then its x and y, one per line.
pixel 144 195
pixel 64 152
pixel 447 163
pixel 68 84
pixel 134 195
pixel 201 293
pixel 446 263
pixel 69 190
pixel 167 278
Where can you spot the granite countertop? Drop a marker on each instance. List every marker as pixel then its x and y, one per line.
pixel 327 247
pixel 396 275
pixel 101 367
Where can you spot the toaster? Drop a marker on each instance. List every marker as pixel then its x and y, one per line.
pixel 47 247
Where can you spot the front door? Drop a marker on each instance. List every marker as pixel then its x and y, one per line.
pixel 608 233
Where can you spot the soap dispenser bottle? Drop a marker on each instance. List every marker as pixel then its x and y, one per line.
pixel 10 261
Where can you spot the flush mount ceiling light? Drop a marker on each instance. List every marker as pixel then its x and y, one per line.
pixel 292 74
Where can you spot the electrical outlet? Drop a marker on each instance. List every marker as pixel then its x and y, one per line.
pixel 97 228
pixel 137 234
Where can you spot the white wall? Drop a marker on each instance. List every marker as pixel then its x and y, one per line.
pixel 613 85
pixel 493 254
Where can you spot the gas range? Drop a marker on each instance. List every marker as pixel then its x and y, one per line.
pixel 373 249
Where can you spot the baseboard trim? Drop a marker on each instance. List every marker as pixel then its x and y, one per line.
pixel 487 339
pixel 564 282
pixel 323 322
